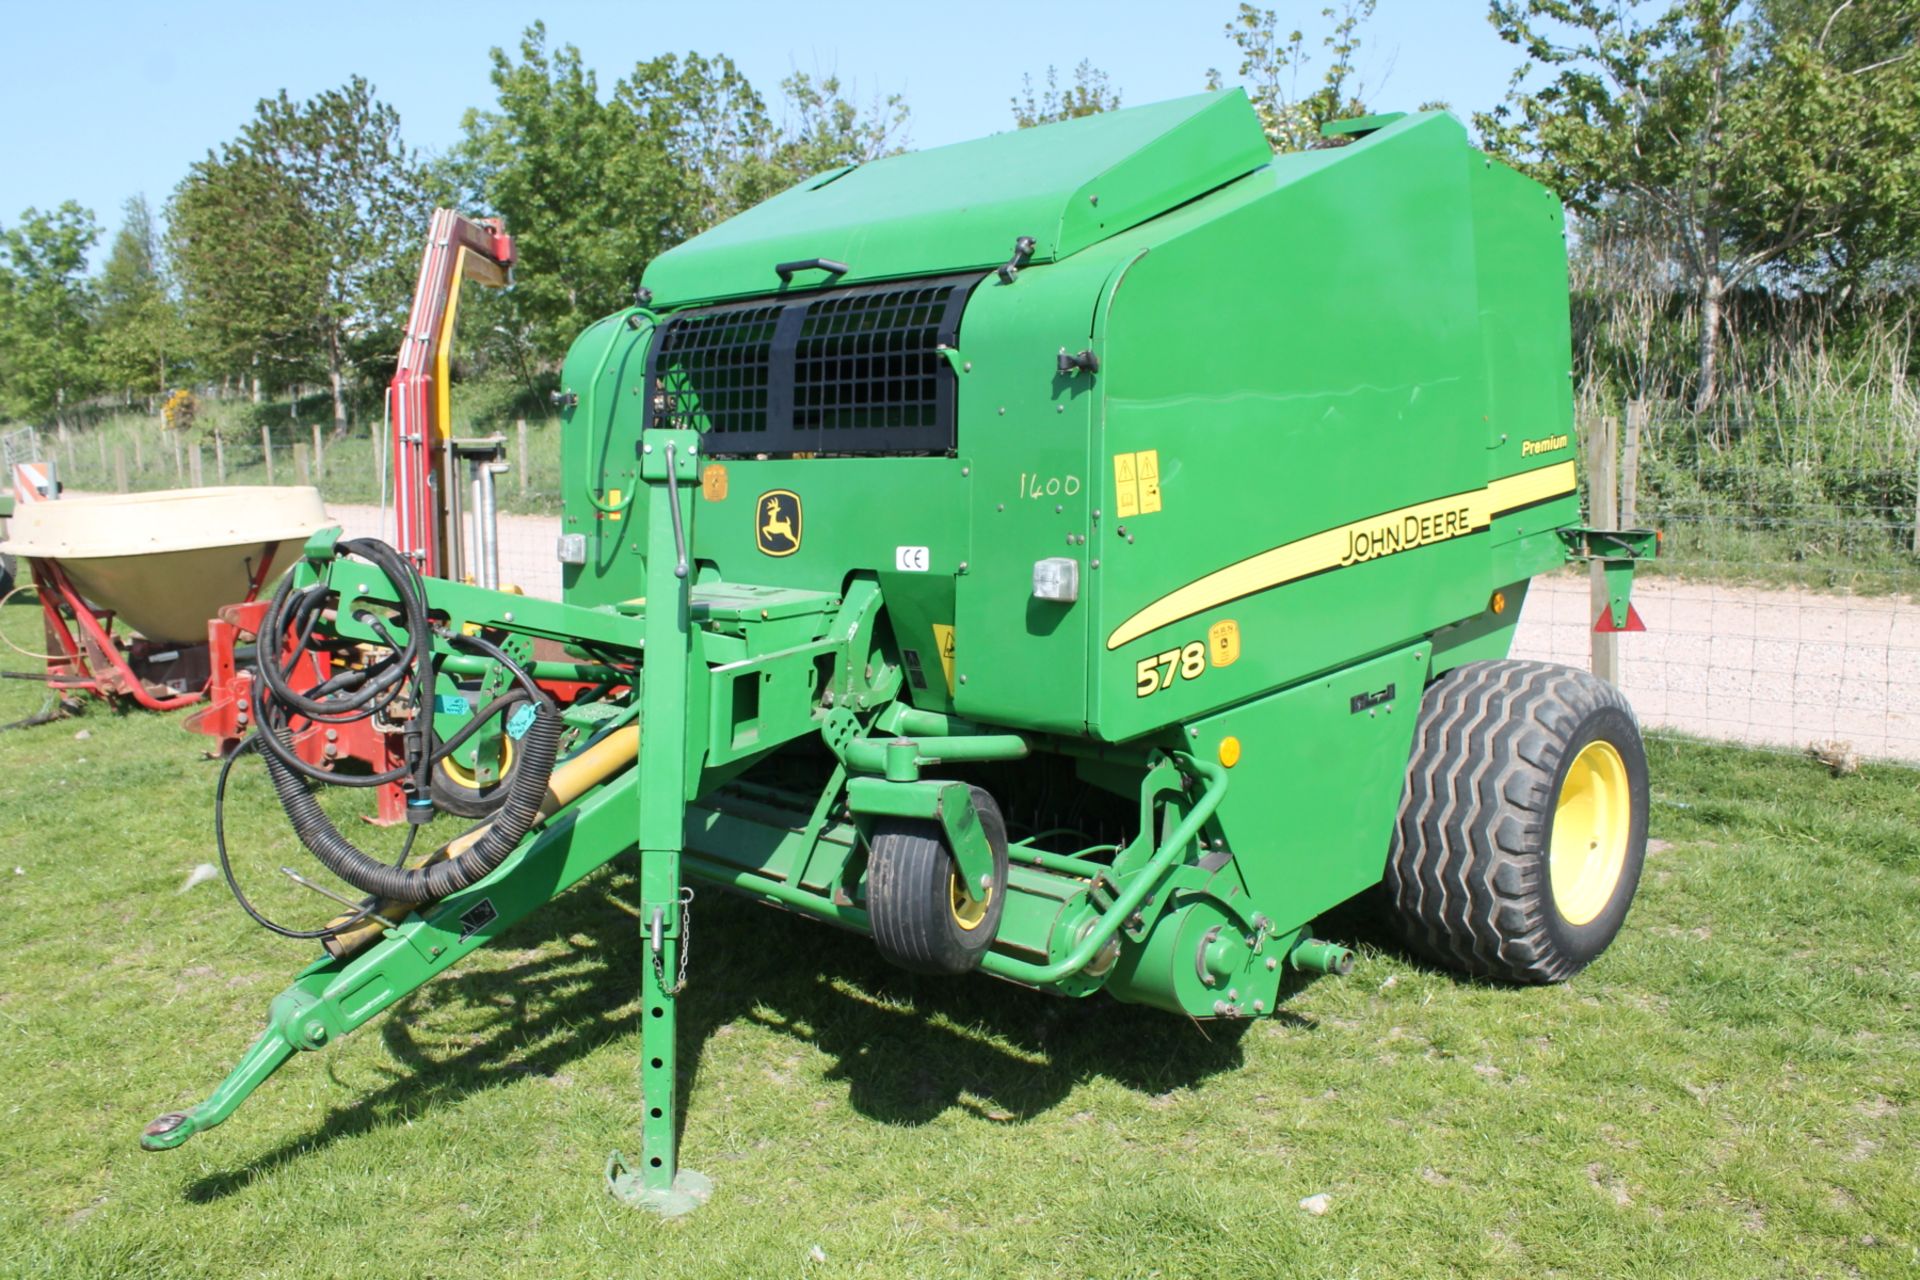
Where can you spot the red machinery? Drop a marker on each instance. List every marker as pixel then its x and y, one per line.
pixel 423 451
pixel 82 591
pixel 424 484
pixel 88 656
pixel 229 713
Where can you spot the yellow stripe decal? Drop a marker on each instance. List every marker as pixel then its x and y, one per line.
pixel 1389 533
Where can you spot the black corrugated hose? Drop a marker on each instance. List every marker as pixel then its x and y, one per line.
pixel 357 693
pixel 525 792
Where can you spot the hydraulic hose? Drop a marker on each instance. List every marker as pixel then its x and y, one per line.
pixel 357 693
pixel 259 917
pixel 525 791
pixel 353 693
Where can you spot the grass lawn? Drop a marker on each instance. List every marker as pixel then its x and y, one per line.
pixel 1729 1092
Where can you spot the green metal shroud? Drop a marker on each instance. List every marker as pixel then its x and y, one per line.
pixel 1292 425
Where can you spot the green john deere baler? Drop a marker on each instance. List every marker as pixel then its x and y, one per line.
pixel 1085 556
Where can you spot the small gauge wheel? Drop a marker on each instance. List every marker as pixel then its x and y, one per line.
pixel 922 916
pixel 458 789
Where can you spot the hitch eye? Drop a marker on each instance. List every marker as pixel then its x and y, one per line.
pixel 1056 578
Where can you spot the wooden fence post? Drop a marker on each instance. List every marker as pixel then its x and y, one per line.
pixel 1630 465
pixel 520 428
pixel 319 453
pixel 198 463
pixel 139 461
pixel 266 450
pixel 179 464
pixel 219 457
pixel 1916 498
pixel 119 470
pixel 301 474
pixel 1603 506
pixel 1913 417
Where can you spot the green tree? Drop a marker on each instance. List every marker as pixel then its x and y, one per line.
pixel 595 187
pixel 47 303
pixel 1866 40
pixel 823 129
pixel 1089 94
pixel 1765 141
pixel 589 195
pixel 241 241
pixel 726 152
pixel 139 325
pixel 295 242
pixel 366 198
pixel 711 130
pixel 1273 63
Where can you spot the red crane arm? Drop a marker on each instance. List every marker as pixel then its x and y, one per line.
pixel 458 248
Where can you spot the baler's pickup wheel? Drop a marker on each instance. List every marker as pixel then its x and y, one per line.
pixel 459 790
pixel 926 916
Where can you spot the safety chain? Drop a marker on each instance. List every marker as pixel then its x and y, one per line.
pixel 686 927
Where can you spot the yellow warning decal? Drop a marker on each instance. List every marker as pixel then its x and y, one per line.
pixel 1147 463
pixel 943 643
pixel 713 483
pixel 1136 483
pixel 1374 538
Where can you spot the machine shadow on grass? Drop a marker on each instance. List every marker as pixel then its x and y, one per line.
pixel 908 1048
pixel 1361 925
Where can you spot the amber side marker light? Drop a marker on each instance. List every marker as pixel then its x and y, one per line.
pixel 1229 751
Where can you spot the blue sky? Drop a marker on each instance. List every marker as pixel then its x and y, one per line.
pixel 106 100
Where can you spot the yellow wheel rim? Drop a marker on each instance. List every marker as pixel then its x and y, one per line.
pixel 968 912
pixel 1588 846
pixel 460 775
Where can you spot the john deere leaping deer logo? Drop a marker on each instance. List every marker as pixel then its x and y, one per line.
pixel 777 528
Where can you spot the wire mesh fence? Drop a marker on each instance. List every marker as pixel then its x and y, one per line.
pixel 1782 612
pixel 232 446
pixel 1774 667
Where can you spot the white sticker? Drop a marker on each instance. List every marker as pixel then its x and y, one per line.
pixel 910 559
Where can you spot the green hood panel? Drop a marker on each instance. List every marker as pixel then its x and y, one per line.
pixel 961 207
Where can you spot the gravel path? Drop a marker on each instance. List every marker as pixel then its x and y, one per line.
pixel 526 545
pixel 1774 667
pixel 1768 667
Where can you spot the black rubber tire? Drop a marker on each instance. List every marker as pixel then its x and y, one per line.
pixel 1468 879
pixel 450 795
pixel 910 876
pixel 8 567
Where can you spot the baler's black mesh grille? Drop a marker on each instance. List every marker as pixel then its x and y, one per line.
pixel 840 371
pixel 713 369
pixel 870 360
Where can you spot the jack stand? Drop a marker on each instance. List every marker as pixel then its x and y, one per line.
pixel 688 1191
pixel 669 462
